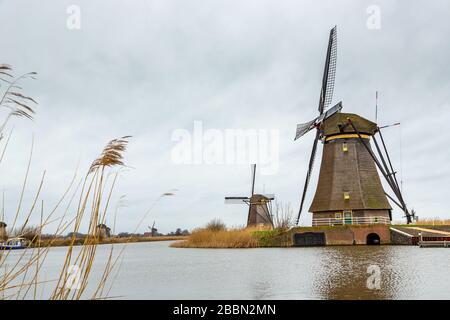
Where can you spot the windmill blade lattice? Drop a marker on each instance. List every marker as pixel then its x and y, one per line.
pixel 304 128
pixel 308 175
pixel 329 73
pixel 331 70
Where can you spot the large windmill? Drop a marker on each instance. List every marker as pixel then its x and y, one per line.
pixel 349 190
pixel 259 205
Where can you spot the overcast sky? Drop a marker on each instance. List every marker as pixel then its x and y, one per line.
pixel 150 68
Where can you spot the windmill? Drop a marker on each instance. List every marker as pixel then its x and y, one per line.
pixel 259 205
pixel 152 229
pixel 349 189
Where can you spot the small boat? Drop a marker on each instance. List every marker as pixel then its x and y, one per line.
pixel 13 244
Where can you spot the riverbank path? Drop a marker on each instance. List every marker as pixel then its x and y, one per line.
pixel 445 233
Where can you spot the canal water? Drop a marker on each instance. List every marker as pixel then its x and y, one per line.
pixel 153 270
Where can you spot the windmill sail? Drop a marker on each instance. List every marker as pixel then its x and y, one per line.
pixel 308 174
pixel 304 128
pixel 253 178
pixel 326 96
pixel 330 112
pixel 236 200
pixel 329 73
pixel 327 114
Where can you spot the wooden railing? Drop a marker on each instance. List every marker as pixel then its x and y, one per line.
pixel 350 221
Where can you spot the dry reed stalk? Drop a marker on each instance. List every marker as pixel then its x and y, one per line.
pixel 93 190
pixel 95 182
pixel 19 105
pixel 111 264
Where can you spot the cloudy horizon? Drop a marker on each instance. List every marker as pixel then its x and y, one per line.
pixel 155 67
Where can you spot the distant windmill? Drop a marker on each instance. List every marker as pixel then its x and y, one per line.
pixel 153 230
pixel 349 189
pixel 259 210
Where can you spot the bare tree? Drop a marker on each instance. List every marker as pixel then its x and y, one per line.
pixel 282 215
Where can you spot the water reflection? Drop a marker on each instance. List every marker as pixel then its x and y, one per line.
pixel 351 272
pixel 261 290
pixel 155 271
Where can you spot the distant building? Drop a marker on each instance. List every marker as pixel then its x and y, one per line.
pixel 123 235
pixel 3 234
pixel 103 231
pixel 129 235
pixel 76 235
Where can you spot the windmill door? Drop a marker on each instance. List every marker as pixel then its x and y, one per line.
pixel 348 218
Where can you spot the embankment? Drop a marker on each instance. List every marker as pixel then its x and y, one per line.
pixel 62 242
pixel 332 235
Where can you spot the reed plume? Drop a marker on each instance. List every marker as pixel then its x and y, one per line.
pixel 13 99
pixel 112 154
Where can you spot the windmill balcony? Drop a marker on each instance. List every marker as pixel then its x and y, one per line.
pixel 350 221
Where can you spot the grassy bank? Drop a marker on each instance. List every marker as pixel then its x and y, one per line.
pixel 204 238
pixel 216 235
pixel 221 237
pixel 63 242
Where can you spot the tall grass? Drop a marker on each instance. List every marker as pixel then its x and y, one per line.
pixel 216 235
pixel 21 275
pixel 234 238
pixel 94 190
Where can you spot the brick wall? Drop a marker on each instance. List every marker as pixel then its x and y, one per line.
pixel 349 235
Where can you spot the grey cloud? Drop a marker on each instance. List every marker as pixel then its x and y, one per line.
pixel 149 68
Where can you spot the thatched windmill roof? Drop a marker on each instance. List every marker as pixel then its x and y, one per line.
pixel 338 124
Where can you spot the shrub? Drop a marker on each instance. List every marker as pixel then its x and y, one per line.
pixel 216 225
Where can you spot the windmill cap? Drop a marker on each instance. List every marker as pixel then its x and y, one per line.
pixel 338 123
